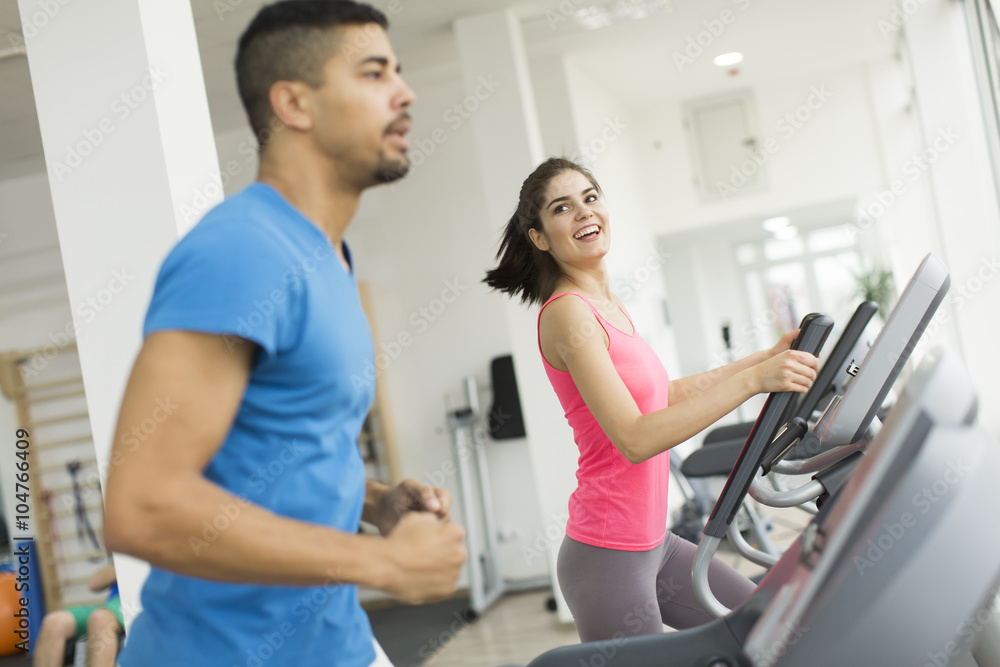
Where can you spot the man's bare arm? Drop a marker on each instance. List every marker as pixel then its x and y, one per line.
pixel 158 501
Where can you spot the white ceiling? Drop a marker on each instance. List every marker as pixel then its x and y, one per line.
pixel 633 59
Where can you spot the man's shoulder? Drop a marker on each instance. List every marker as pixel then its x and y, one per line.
pixel 242 227
pixel 248 207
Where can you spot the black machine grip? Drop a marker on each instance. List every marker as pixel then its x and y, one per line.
pixel 787 437
pixel 838 357
pixel 777 409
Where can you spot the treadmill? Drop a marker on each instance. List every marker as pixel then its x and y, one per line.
pixel 849 422
pixel 722 445
pixel 854 588
pixel 837 442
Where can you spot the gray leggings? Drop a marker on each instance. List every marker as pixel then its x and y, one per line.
pixel 614 593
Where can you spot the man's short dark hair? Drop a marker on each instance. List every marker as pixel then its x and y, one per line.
pixel 290 41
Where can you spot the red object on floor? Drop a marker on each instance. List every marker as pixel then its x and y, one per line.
pixel 9 605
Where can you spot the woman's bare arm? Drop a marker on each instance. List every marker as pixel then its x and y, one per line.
pixel 568 333
pixel 688 387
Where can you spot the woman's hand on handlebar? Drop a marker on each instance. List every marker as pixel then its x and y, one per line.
pixel 791 370
pixel 784 344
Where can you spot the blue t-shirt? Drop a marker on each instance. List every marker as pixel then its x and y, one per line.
pixel 256 269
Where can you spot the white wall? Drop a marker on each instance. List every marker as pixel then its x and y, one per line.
pixel 833 156
pixel 33 298
pixel 829 156
pixel 554 104
pixel 237 159
pixel 962 189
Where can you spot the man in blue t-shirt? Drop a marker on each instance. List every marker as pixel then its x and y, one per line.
pixel 235 470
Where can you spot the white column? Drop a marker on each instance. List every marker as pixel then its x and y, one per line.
pixel 554 98
pixel 964 187
pixel 127 139
pixel 491 53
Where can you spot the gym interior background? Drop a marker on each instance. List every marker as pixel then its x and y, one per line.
pixel 852 139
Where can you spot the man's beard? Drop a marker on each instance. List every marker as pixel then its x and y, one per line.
pixel 388 170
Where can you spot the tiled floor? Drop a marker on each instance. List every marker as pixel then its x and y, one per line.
pixel 513 632
pixel 519 628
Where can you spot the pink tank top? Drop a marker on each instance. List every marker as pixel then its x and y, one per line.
pixel 617 504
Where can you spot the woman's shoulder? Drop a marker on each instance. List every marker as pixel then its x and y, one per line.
pixel 567 314
pixel 563 304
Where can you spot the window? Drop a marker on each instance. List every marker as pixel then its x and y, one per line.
pixel 786 279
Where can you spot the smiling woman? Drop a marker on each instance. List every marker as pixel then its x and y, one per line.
pixel 617 558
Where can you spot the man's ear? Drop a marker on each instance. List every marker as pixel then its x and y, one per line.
pixel 291 105
pixel 538 239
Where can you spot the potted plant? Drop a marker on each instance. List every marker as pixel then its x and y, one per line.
pixel 877 285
